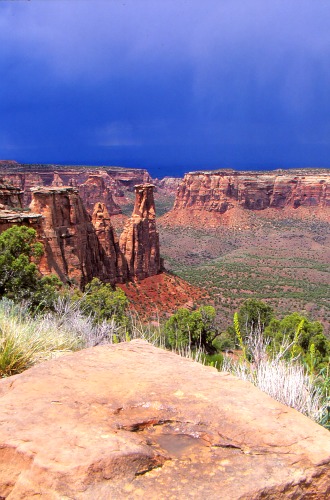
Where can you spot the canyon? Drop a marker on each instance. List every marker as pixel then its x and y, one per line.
pixel 230 235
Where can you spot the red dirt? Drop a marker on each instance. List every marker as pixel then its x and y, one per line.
pixel 162 294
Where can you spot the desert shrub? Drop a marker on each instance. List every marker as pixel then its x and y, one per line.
pixel 286 380
pixel 310 334
pixel 191 328
pixel 254 313
pixel 26 340
pixel 104 303
pixel 20 278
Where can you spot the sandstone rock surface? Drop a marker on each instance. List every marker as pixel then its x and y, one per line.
pixel 133 421
pixel 72 249
pixel 96 184
pixel 139 241
pixel 218 192
pixel 10 196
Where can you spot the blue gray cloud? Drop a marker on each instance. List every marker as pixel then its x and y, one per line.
pixel 168 83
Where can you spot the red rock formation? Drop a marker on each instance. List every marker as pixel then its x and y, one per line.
pixel 79 249
pixel 116 266
pixel 220 191
pixel 68 430
pixel 95 190
pixel 72 249
pixel 117 181
pixel 10 196
pixel 9 218
pixel 139 241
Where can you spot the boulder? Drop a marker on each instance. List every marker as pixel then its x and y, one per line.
pixel 132 421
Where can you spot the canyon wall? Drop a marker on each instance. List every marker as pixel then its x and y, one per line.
pixel 96 184
pixel 10 196
pixel 79 247
pixel 219 191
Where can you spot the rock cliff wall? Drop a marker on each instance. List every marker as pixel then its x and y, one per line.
pixel 72 249
pixel 219 191
pixel 79 247
pixel 10 196
pixel 96 184
pixel 139 241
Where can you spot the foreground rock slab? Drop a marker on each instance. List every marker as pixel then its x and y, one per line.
pixel 133 421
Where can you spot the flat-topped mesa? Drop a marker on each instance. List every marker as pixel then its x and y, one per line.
pixel 10 196
pixel 219 191
pixel 139 241
pixel 72 248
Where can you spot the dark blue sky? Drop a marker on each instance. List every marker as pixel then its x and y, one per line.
pixel 169 85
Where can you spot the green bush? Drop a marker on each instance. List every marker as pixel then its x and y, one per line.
pixel 19 275
pixel 104 303
pixel 191 328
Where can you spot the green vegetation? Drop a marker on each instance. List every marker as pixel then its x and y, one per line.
pixel 19 276
pixel 104 303
pixel 191 328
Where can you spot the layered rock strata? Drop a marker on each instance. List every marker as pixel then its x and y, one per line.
pixel 219 191
pixel 116 181
pixel 79 247
pixel 177 430
pixel 95 190
pixel 10 196
pixel 139 241
pixel 115 260
pixel 72 249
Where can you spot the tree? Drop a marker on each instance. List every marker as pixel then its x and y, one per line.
pixel 104 303
pixel 254 314
pixel 191 328
pixel 19 275
pixel 310 334
pixel 19 252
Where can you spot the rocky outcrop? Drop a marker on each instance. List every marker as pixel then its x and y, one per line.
pixel 72 249
pixel 174 430
pixel 79 247
pixel 116 181
pixel 168 185
pixel 115 262
pixel 219 191
pixel 139 241
pixel 10 196
pixel 9 218
pixel 96 190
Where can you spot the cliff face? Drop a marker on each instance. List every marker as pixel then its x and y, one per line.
pixel 10 196
pixel 115 262
pixel 98 184
pixel 95 190
pixel 72 249
pixel 79 247
pixel 139 241
pixel 220 191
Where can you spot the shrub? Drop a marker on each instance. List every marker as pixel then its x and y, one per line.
pixel 191 328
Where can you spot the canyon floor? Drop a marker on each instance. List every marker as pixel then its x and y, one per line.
pixel 283 261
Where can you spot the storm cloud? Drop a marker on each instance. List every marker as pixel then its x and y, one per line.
pixel 167 85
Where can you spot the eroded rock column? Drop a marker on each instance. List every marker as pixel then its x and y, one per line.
pixel 139 241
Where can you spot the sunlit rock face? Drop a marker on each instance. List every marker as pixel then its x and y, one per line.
pixel 132 421
pixel 10 196
pixel 220 191
pixel 139 241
